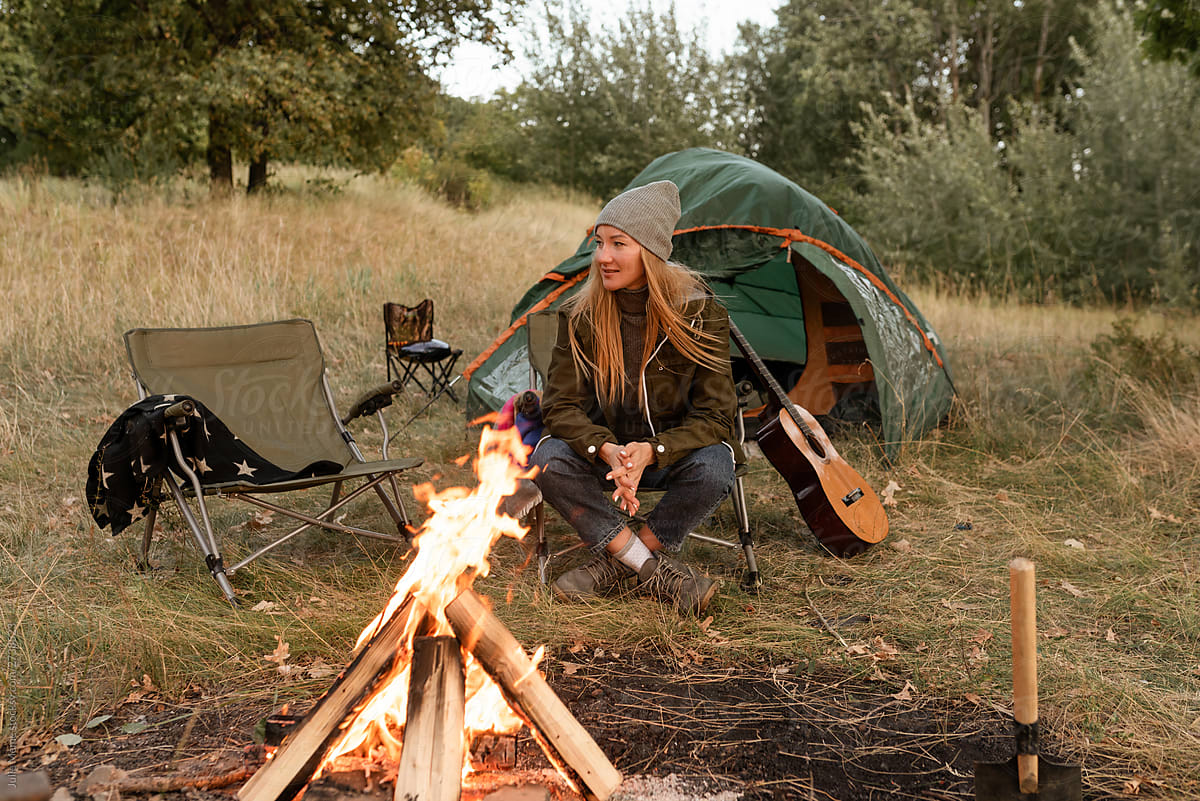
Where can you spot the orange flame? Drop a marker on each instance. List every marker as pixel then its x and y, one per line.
pixel 451 550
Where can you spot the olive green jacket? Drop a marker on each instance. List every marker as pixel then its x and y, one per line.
pixel 689 406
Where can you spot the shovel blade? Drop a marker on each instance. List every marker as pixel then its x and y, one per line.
pixel 998 782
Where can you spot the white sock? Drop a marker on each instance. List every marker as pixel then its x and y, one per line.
pixel 634 554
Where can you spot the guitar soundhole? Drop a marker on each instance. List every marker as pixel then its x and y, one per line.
pixel 852 497
pixel 816 447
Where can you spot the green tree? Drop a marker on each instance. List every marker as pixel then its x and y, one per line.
pixel 335 82
pixel 812 76
pixel 1094 199
pixel 829 64
pixel 16 68
pixel 1172 29
pixel 600 106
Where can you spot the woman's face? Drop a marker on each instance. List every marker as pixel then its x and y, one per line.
pixel 619 257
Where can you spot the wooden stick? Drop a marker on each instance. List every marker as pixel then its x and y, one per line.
pixel 1024 647
pixel 305 747
pixel 172 783
pixel 566 743
pixel 431 762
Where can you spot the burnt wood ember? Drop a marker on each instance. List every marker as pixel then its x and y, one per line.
pixel 305 748
pixel 566 743
pixel 431 761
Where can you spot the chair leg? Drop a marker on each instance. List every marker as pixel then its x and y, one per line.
pixel 751 579
pixel 143 560
pixel 543 549
pixel 395 509
pixel 205 537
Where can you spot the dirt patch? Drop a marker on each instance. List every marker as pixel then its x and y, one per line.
pixel 747 732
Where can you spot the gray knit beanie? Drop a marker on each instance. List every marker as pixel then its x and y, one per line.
pixel 647 213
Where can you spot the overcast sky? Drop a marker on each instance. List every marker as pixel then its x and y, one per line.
pixel 475 72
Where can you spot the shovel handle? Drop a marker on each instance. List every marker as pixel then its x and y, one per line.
pixel 1024 655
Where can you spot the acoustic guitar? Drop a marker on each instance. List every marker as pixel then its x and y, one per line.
pixel 841 509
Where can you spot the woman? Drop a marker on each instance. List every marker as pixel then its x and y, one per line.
pixel 638 394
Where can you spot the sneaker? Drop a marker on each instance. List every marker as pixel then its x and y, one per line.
pixel 599 577
pixel 672 582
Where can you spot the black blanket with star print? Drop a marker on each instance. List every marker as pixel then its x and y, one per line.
pixel 134 453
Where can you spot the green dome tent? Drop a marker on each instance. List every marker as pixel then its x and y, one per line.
pixel 810 296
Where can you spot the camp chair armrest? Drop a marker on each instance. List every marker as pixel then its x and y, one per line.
pixel 184 408
pixel 372 401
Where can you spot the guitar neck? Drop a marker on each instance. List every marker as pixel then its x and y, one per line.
pixel 777 393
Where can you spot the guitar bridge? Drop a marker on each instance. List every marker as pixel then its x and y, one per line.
pixel 853 496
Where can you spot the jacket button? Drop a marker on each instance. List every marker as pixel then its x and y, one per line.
pixel 662 448
pixel 591 448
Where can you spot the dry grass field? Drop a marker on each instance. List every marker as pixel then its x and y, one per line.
pixel 1085 459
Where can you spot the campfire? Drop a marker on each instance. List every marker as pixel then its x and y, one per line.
pixel 436 668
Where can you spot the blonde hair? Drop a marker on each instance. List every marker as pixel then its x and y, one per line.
pixel 671 286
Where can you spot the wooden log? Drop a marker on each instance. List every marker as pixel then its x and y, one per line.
pixel 431 761
pixel 306 746
pixel 566 743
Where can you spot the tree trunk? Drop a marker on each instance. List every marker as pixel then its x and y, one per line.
pixel 219 155
pixel 954 79
pixel 1040 67
pixel 987 54
pixel 258 175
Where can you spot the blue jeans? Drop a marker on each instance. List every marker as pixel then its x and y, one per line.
pixel 695 486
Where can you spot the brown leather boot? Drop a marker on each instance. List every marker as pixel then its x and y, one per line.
pixel 599 577
pixel 673 582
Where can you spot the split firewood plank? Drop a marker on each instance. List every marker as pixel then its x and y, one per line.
pixel 431 761
pixel 306 746
pixel 566 743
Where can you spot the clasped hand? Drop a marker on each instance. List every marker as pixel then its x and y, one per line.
pixel 628 462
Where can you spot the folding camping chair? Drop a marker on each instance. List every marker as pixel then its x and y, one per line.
pixel 267 384
pixel 411 349
pixel 542 332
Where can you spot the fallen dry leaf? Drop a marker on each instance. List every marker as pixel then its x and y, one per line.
pixel 1071 588
pixel 974 698
pixel 981 637
pixel 319 669
pixel 902 546
pixel 260 520
pixel 1073 543
pixel 905 693
pixel 1132 787
pixel 265 606
pixel 888 495
pixel 1110 635
pixel 1169 518
pixel 704 624
pixel 883 650
pixel 280 654
pixel 570 668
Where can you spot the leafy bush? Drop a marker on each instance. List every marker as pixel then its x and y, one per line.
pixel 1092 200
pixel 1159 359
pixel 448 178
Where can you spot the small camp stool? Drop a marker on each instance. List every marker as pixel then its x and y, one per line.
pixel 412 352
